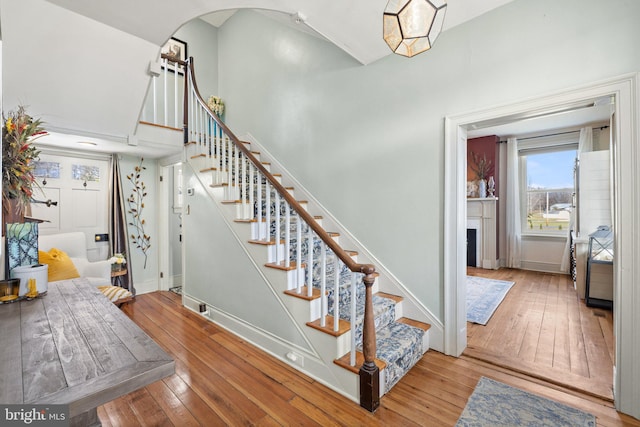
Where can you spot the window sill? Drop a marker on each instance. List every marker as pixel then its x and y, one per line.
pixel 542 236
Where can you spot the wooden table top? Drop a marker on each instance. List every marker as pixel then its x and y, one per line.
pixel 72 346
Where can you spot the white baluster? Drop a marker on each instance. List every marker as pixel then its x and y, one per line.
pixel 260 232
pixel 353 320
pixel 166 98
pixel 287 234
pixel 230 170
pixel 299 277
pixel 243 185
pixel 324 302
pixel 251 190
pixel 176 101
pixel 267 196
pixel 309 262
pixel 236 173
pixel 155 100
pixel 277 236
pixel 336 294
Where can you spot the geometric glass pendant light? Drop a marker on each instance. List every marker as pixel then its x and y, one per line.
pixel 411 27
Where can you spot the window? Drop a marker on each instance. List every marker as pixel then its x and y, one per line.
pixel 548 189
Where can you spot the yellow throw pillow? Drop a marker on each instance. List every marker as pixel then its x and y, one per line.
pixel 60 265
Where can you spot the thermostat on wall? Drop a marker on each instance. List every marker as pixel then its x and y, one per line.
pixel 190 192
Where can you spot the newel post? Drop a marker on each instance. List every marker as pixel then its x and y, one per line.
pixel 369 371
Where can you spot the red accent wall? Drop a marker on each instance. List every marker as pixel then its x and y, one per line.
pixel 486 145
pixel 489 146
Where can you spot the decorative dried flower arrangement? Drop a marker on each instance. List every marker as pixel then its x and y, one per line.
pixel 481 166
pixel 18 159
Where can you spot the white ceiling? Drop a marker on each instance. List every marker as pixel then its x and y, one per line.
pixel 597 113
pixel 354 25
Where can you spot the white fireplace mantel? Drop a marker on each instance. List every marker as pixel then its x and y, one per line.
pixel 481 216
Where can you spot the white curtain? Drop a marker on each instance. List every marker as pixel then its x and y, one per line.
pixel 513 220
pixel 585 144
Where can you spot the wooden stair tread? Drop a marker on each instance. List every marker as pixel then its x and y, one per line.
pixel 343 326
pixel 245 220
pixel 142 122
pixel 283 266
pixel 396 298
pixel 344 362
pixel 198 155
pixel 222 184
pixel 264 242
pixel 351 253
pixel 415 323
pixel 208 169
pixel 230 202
pixel 315 293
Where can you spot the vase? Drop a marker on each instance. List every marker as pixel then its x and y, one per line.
pixel 482 188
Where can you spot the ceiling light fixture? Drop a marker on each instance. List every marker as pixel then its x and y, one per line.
pixel 411 27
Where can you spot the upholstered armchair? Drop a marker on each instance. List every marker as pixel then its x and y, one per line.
pixel 75 246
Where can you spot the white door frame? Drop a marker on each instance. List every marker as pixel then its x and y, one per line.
pixel 165 194
pixel 626 157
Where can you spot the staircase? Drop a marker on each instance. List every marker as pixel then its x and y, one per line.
pixel 338 301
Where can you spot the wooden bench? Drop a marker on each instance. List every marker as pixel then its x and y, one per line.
pixel 72 346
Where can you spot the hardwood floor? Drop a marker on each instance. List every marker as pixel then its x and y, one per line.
pixel 222 380
pixel 544 329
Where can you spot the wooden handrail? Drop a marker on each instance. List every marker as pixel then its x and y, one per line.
pixel 172 58
pixel 369 371
pixel 367 269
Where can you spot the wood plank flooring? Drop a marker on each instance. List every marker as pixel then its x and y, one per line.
pixel 544 329
pixel 222 380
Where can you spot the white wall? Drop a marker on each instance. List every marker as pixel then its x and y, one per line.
pixel 367 141
pixel 74 73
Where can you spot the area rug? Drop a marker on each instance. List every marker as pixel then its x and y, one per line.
pixel 495 404
pixel 483 297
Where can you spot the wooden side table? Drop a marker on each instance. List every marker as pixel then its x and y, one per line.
pixel 116 276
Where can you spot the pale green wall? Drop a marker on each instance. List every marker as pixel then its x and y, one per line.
pixel 367 141
pixel 219 272
pixel 202 45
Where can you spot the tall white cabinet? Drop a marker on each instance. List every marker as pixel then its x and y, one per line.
pixel 594 208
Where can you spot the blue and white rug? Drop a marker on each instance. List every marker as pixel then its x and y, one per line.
pixel 495 404
pixel 483 297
